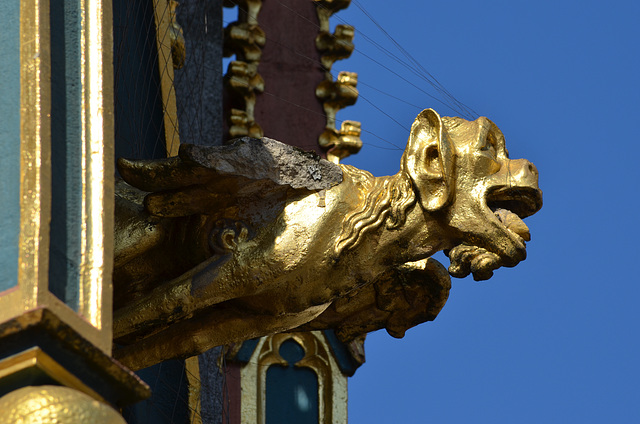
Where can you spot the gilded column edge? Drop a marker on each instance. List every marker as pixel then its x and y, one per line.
pixel 35 162
pixel 98 166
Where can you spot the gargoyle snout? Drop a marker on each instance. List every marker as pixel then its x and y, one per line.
pixel 522 173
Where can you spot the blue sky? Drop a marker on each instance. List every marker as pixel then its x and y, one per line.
pixel 556 339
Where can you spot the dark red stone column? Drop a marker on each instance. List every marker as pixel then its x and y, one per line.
pixel 232 394
pixel 288 110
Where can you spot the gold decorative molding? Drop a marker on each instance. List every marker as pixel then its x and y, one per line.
pixel 350 142
pixel 241 125
pixel 35 166
pixel 248 9
pixel 46 316
pixel 343 142
pixel 336 95
pixel 98 165
pixel 245 39
pixel 332 384
pixel 326 8
pixel 336 46
pixel 243 80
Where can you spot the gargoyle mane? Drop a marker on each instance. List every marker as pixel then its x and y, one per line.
pixel 387 199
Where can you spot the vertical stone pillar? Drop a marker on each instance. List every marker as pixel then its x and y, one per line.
pixel 55 283
pixel 198 83
pixel 291 67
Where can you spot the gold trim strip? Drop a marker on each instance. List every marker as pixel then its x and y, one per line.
pixel 35 162
pixel 162 15
pixel 192 369
pixel 98 168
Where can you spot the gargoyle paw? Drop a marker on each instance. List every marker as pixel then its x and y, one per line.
pixel 466 259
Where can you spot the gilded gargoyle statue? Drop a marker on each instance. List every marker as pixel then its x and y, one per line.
pixel 223 244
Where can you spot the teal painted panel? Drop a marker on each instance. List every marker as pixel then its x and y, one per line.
pixel 292 392
pixel 9 142
pixel 66 152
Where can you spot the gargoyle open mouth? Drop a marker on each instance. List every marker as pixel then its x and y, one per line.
pixel 522 201
pixel 509 205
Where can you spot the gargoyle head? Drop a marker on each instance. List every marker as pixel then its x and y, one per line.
pixel 462 174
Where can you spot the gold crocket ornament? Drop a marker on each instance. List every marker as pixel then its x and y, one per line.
pixel 223 244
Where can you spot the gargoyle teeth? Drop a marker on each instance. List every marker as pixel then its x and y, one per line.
pixel 513 223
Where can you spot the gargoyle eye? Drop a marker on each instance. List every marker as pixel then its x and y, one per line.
pixel 489 145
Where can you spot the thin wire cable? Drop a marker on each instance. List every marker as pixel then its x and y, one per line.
pixel 390 95
pixel 412 59
pixel 377 62
pixel 426 76
pixel 399 61
pixel 315 61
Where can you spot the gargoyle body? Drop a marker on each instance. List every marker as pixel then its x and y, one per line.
pixel 213 251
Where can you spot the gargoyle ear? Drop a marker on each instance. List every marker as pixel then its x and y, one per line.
pixel 428 159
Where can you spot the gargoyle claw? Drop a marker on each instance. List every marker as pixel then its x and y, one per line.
pixel 466 259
